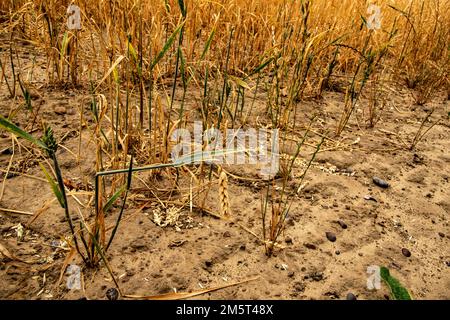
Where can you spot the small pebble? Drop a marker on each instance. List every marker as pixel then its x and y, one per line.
pixel 351 296
pixel 442 235
pixel 369 197
pixel 331 236
pixel 342 224
pixel 288 240
pixel 406 252
pixel 226 234
pixel 112 294
pixel 380 182
pixel 337 252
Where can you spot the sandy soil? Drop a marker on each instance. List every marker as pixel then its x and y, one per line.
pixel 203 251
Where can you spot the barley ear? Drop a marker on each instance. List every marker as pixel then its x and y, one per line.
pixel 223 194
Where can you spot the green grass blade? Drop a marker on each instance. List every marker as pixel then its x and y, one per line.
pixel 11 127
pixel 182 8
pixel 25 93
pixel 398 292
pixel 54 186
pixel 100 252
pixel 261 66
pixel 113 199
pixel 128 185
pixel 167 45
pixel 208 44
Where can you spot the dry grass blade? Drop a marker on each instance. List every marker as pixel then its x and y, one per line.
pixel 26 213
pixel 7 254
pixel 185 295
pixel 66 262
pixel 7 172
pixel 40 211
pixel 115 64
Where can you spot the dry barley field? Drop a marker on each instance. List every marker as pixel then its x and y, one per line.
pixel 230 149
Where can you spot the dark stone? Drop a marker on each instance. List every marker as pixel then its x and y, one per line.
pixel 330 236
pixel 380 182
pixel 342 224
pixel 351 296
pixel 406 252
pixel 112 294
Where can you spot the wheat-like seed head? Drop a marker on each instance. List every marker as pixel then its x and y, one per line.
pixel 223 194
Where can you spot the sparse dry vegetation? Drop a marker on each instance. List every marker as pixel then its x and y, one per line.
pixel 139 71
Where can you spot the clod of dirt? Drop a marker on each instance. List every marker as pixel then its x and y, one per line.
pixel 442 235
pixel 315 276
pixel 331 236
pixel 281 266
pixel 112 294
pixel 406 252
pixel 288 240
pixel 342 224
pixel 177 243
pixel 417 159
pixel 332 294
pixel 60 110
pixel 380 182
pixel 351 296
pixel 139 244
pixel 299 286
pixel 208 263
pixel 310 246
pixel 226 234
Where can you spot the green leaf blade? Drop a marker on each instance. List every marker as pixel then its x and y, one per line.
pixel 398 292
pixel 12 128
pixel 54 187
